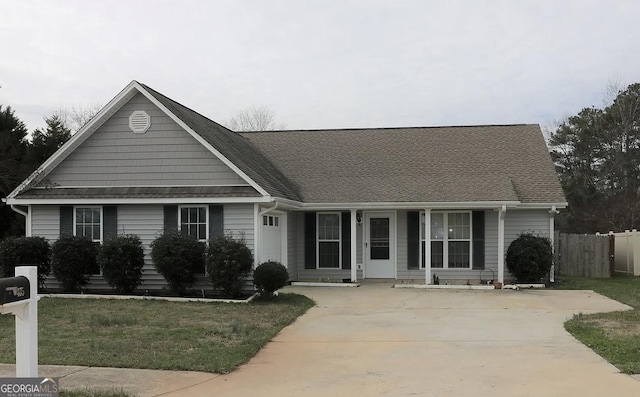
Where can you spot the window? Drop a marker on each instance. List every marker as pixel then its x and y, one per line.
pixel 270 220
pixel 193 221
pixel 88 222
pixel 328 240
pixel 450 240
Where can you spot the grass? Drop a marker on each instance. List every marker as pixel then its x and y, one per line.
pixel 209 337
pixel 616 335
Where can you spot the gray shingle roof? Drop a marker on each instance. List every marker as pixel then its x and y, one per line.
pixel 234 147
pixel 141 192
pixel 431 164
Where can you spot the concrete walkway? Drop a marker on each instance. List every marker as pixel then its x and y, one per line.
pixel 379 341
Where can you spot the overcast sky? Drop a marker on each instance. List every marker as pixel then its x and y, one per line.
pixel 323 64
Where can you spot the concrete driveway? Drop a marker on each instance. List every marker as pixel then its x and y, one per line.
pixel 379 341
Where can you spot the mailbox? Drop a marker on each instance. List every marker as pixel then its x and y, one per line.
pixel 14 289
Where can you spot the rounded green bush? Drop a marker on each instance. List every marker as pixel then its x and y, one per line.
pixel 270 277
pixel 18 251
pixel 229 263
pixel 73 260
pixel 121 260
pixel 529 258
pixel 178 257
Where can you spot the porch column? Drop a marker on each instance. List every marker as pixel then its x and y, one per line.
pixel 354 265
pixel 427 246
pixel 256 235
pixel 501 213
pixel 552 215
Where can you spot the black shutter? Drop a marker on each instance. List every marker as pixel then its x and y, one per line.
pixel 309 240
pixel 216 221
pixel 413 239
pixel 478 240
pixel 170 217
pixel 110 224
pixel 346 240
pixel 66 220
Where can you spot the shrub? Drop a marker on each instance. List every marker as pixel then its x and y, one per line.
pixel 16 251
pixel 121 260
pixel 229 262
pixel 178 257
pixel 73 260
pixel 270 277
pixel 529 258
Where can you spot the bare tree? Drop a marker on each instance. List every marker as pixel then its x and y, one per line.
pixel 76 116
pixel 255 118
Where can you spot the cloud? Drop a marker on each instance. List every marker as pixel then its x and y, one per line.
pixel 327 64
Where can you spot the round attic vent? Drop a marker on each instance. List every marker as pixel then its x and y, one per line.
pixel 139 122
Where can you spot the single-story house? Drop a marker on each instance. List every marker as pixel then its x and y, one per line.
pixel 331 205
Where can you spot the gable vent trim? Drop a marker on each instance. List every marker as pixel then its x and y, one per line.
pixel 139 122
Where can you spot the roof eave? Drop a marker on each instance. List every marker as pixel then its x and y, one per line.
pixel 399 205
pixel 159 200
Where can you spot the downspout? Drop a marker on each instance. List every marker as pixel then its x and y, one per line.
pixel 27 221
pixel 266 211
pixel 14 208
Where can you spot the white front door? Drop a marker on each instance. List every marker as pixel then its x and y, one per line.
pixel 271 239
pixel 379 245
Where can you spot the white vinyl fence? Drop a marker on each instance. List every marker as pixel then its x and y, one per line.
pixel 627 259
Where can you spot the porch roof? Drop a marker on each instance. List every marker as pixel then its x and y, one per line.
pixel 140 192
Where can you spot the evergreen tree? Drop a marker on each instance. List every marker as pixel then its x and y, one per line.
pixel 597 154
pixel 45 143
pixel 13 146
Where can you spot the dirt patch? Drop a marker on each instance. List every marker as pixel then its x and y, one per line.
pixel 616 327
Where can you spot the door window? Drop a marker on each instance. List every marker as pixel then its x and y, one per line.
pixel 379 238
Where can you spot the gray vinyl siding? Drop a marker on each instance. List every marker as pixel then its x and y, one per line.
pixel 166 155
pixel 45 221
pixel 147 222
pixel 238 220
pixel 517 222
pixel 403 272
pixel 292 244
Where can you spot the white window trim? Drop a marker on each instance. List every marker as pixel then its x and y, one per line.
pixel 445 240
pixel 339 240
pixel 75 207
pixel 206 214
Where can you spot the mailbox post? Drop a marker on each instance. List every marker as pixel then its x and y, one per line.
pixel 19 296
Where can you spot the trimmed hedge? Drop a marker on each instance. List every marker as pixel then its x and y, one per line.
pixel 178 257
pixel 270 277
pixel 121 260
pixel 15 251
pixel 229 263
pixel 73 260
pixel 529 258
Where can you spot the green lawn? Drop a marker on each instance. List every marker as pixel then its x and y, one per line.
pixel 209 337
pixel 616 335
